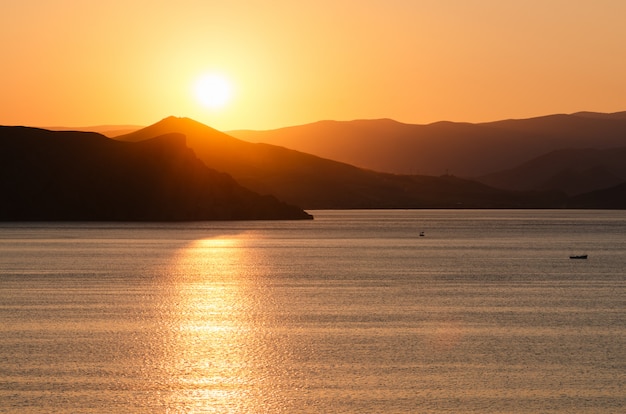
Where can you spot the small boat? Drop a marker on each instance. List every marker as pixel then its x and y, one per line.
pixel 421 234
pixel 579 256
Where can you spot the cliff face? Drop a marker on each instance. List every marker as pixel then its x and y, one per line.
pixel 47 175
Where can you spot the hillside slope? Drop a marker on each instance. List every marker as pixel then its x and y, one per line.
pixel 574 171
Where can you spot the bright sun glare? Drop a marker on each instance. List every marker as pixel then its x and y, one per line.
pixel 213 91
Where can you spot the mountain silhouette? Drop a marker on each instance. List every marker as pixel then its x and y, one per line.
pixel 316 183
pixel 46 175
pixel 615 197
pixel 463 149
pixel 574 171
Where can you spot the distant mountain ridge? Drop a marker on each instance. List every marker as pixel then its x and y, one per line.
pixel 317 183
pixel 481 152
pixel 70 176
pixel 463 149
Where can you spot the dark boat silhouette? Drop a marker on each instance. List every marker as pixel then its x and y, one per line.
pixel 579 256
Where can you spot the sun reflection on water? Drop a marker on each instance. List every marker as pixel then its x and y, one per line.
pixel 209 328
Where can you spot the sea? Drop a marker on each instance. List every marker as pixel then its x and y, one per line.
pixel 357 311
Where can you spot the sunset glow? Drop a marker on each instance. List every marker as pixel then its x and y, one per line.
pixel 79 63
pixel 213 91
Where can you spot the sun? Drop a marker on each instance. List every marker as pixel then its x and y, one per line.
pixel 213 91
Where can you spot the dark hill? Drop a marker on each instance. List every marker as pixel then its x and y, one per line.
pixel 47 175
pixel 613 196
pixel 463 149
pixel 574 171
pixel 317 183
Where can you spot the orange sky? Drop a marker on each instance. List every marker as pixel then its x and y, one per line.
pixel 80 63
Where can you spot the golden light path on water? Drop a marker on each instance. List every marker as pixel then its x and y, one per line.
pixel 219 356
pixel 206 359
pixel 231 348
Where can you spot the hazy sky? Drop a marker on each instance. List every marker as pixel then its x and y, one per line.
pixel 82 62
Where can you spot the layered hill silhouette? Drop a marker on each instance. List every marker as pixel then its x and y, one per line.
pixel 463 149
pixel 574 171
pixel 316 183
pixel 180 169
pixel 46 175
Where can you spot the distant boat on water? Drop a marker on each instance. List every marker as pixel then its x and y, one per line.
pixel 421 234
pixel 578 256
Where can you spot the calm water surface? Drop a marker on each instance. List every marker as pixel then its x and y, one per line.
pixel 353 312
